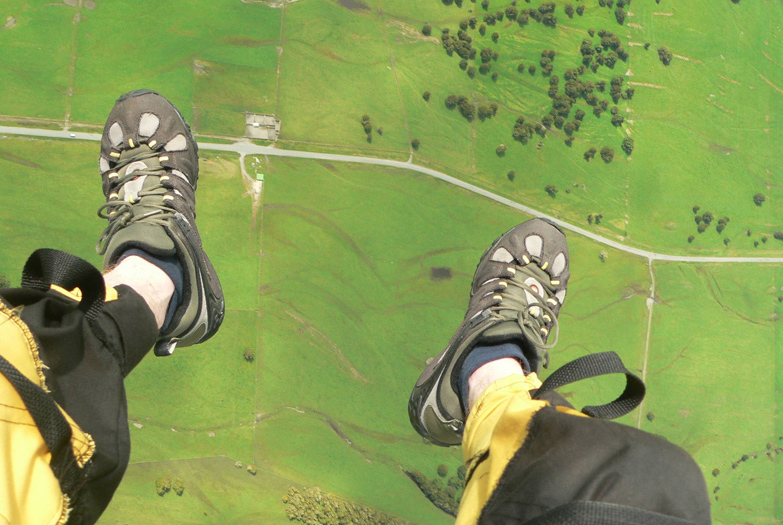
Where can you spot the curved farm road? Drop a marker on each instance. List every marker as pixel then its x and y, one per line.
pixel 247 148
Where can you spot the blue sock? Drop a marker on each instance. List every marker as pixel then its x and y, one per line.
pixel 173 269
pixel 481 355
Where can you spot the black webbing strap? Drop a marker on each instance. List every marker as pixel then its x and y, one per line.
pixel 594 365
pixel 599 513
pixel 46 267
pixel 54 428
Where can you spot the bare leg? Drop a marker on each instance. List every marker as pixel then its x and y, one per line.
pixel 487 374
pixel 147 280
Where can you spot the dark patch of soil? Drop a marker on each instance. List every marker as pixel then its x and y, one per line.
pixel 439 273
pixel 353 5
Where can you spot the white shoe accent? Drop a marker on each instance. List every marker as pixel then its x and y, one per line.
pixel 178 143
pixel 133 167
pixel 502 255
pixel 115 134
pixel 559 265
pixel 148 124
pixel 180 175
pixel 103 164
pixel 535 311
pixel 561 296
pixel 534 245
pixel 132 189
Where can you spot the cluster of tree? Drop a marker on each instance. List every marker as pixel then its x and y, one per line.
pixel 617 119
pixel 461 102
pixel 486 111
pixel 619 15
pixel 311 506
pixel 545 14
pixel 547 56
pixel 523 131
pixel 594 218
pixel 722 223
pixel 616 90
pixel 367 125
pixel 627 145
pixel 461 44
pixel 607 154
pixel 665 55
pixel 163 486
pixel 447 497
pixel 758 199
pixel 468 23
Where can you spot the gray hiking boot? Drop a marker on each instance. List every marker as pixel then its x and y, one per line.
pixel 518 289
pixel 149 167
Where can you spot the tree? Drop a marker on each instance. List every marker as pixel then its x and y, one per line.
pixel 617 120
pixel 426 30
pixel 589 154
pixel 707 217
pixel 580 10
pixel 696 209
pixel 511 175
pixel 471 71
pixel 758 199
pixel 590 219
pixel 619 15
pixel 495 37
pixel 178 486
pixel 549 20
pixel 551 190
pixel 627 145
pixel 511 13
pixel 443 470
pixel 500 150
pixel 451 101
pixel 554 80
pixel 591 32
pixel 415 144
pixel 463 64
pixel 486 54
pixel 547 120
pixel 495 75
pixel 726 241
pixel 579 115
pixel 691 238
pixel 495 56
pixel 569 128
pixel 162 485
pixel 702 227
pixel 559 121
pixel 249 355
pixel 523 19
pixel 485 4
pixel 665 55
pixel 607 154
pixel 521 67
pixel 485 68
pixel 603 256
pixel 532 69
pixel 426 96
pixel 569 10
pixel 482 29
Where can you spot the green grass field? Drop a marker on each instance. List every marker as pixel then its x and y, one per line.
pixel 329 280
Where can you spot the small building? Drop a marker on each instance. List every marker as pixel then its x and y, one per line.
pixel 263 127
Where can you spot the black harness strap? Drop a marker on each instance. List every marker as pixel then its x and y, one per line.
pixel 594 365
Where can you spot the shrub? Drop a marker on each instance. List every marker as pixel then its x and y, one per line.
pixel 415 144
pixel 665 55
pixel 511 175
pixel 759 199
pixel 426 30
pixel 607 154
pixel 500 150
pixel 426 96
pixel 443 470
pixel 178 486
pixel 162 485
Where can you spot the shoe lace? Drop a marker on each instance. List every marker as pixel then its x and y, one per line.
pixel 532 318
pixel 121 213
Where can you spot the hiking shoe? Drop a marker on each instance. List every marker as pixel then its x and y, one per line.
pixel 518 289
pixel 149 167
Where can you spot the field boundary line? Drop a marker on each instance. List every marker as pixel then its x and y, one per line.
pixel 248 148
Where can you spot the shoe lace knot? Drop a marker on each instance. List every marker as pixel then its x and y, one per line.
pixel 138 191
pixel 531 301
